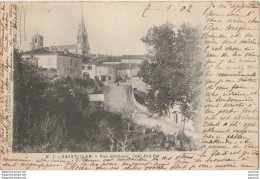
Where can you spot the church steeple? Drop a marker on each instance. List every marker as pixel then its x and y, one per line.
pixel 82 38
pixel 82 19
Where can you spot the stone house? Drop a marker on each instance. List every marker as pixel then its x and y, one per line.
pixel 64 63
pixel 89 70
pixel 132 59
pixel 102 72
pixel 125 71
pixel 106 72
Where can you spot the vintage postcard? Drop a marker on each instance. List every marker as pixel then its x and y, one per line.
pixel 129 85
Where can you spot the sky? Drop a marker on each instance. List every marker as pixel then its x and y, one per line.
pixel 113 28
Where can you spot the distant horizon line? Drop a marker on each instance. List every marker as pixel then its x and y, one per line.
pixel 90 53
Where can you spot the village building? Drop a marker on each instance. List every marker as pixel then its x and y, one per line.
pixel 132 59
pixel 106 73
pixel 125 71
pixel 89 70
pixel 36 42
pixel 129 59
pixel 57 63
pixel 102 72
pixel 67 60
pixel 115 60
pixel 96 101
pixel 112 62
pixel 61 60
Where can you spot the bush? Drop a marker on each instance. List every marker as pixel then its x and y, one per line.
pixel 56 116
pixel 140 97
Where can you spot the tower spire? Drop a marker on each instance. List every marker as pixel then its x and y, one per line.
pixel 82 19
pixel 82 38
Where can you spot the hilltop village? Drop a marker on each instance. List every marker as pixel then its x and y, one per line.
pixel 69 99
pixel 76 61
pixel 122 87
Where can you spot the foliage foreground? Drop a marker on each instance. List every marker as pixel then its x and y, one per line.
pixel 55 115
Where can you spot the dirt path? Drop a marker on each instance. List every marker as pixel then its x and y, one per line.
pixel 118 98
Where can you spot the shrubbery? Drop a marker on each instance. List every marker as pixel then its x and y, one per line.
pixel 55 116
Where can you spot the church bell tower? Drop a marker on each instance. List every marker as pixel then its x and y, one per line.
pixel 82 46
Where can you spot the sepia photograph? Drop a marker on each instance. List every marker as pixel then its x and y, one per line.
pixel 160 85
pixel 87 81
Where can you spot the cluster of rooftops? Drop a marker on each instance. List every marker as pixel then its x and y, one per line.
pixel 91 59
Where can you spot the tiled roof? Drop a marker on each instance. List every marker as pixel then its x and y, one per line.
pixel 69 55
pixel 46 51
pixel 124 66
pixel 38 51
pixel 37 35
pixel 113 59
pixel 132 57
pixel 106 65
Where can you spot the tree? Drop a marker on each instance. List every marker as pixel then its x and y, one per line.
pixel 119 130
pixel 28 87
pixel 173 69
pixel 48 113
pixel 123 135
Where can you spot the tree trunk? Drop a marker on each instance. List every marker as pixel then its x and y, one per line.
pixel 183 125
pixel 111 148
pixel 123 147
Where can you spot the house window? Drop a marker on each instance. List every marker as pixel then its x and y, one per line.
pixel 83 68
pixel 103 78
pixel 85 75
pixel 71 62
pixel 35 40
pixel 109 78
pixel 89 67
